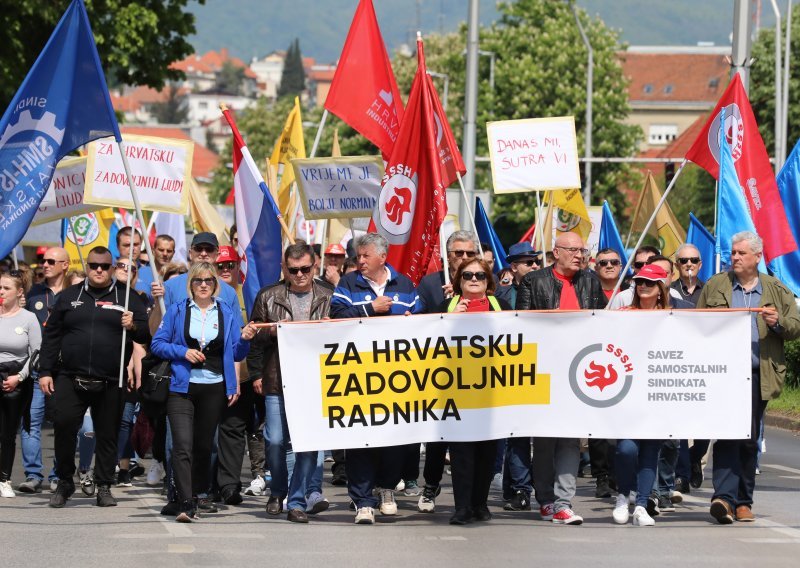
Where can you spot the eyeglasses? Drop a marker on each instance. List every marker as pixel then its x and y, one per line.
pixel 208 249
pixel 295 269
pixel 51 261
pixel 687 260
pixel 104 266
pixel 530 262
pixel 124 266
pixel 226 266
pixel 611 262
pixel 468 275
pixel 15 273
pixel 573 250
pixel 200 281
pixel 645 283
pixel 462 253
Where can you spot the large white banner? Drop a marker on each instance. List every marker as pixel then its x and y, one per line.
pixel 459 377
pixel 161 169
pixel 64 197
pixel 533 154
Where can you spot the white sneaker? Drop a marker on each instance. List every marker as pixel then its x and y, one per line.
pixel 155 474
pixel 676 497
pixel 6 490
pixel 388 505
pixel 427 501
pixel 621 512
pixel 641 518
pixel 400 486
pixel 497 482
pixel 365 516
pixel 257 487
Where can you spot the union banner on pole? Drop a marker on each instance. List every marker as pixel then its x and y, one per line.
pixel 461 377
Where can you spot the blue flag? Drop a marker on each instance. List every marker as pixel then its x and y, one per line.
pixel 62 104
pixel 703 240
pixel 609 235
pixel 733 215
pixel 786 268
pixel 487 235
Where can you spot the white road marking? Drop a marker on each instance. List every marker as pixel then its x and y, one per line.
pixel 781 467
pixel 180 548
pixel 769 540
pixel 176 530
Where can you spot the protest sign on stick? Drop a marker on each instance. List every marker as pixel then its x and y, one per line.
pixel 64 197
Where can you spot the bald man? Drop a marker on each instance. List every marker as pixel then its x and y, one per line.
pixel 564 285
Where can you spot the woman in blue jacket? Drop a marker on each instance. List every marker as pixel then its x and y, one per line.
pixel 201 340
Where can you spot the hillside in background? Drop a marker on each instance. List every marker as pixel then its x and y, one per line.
pixel 251 28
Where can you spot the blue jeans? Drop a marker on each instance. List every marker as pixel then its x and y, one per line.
pixel 667 461
pixel 518 466
pixel 636 462
pixel 86 444
pixel 315 483
pixel 276 433
pixel 31 442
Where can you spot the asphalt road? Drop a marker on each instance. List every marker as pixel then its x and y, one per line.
pixel 134 534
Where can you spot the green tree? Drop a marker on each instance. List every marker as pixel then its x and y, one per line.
pixel 174 110
pixel 136 39
pixel 229 79
pixel 293 79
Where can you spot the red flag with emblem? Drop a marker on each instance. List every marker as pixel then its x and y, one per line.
pixel 752 167
pixel 451 162
pixel 412 204
pixel 364 92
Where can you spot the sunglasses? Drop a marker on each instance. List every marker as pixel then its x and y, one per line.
pixel 208 249
pixel 124 266
pixel 226 266
pixel 294 270
pixel 51 261
pixel 14 273
pixel 530 262
pixel 462 253
pixel 611 262
pixel 639 265
pixel 505 281
pixel 687 260
pixel 200 281
pixel 468 275
pixel 645 283
pixel 104 266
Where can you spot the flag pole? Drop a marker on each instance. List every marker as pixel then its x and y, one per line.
pixel 77 246
pixel 539 223
pixel 15 259
pixel 646 229
pixel 636 211
pixel 469 210
pixel 445 263
pixel 319 134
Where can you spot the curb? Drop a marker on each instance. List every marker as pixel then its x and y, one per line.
pixel 781 421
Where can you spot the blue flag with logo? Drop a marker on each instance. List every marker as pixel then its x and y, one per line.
pixel 62 104
pixel 786 268
pixel 703 240
pixel 609 235
pixel 486 234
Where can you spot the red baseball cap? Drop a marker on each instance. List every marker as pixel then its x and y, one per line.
pixel 651 272
pixel 227 253
pixel 335 249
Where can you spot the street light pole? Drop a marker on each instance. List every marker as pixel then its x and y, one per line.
pixel 779 153
pixel 786 61
pixel 470 112
pixel 587 165
pixel 740 56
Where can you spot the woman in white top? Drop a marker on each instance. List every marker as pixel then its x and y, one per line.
pixel 20 336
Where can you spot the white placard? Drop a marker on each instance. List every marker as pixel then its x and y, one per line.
pixel 460 377
pixel 534 154
pixel 64 197
pixel 161 170
pixel 339 187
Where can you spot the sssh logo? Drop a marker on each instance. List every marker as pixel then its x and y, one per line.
pixel 601 375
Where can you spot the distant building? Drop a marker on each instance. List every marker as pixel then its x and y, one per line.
pixel 671 87
pixel 202 72
pixel 268 72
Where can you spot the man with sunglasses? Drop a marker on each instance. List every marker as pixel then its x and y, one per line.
pixel 40 300
pixel 432 290
pixel 561 286
pixel 80 367
pixel 689 262
pixel 522 259
pixel 607 266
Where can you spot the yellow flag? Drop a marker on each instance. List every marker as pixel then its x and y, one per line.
pixel 666 227
pixel 572 213
pixel 289 145
pixel 204 217
pixel 92 229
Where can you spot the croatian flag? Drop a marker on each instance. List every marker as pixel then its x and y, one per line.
pixel 256 222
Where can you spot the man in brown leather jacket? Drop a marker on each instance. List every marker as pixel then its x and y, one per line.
pixel 297 298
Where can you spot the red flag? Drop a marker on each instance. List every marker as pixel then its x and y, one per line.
pixel 528 236
pixel 752 167
pixel 412 204
pixel 364 92
pixel 449 155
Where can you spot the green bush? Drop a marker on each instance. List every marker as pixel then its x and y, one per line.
pixel 793 363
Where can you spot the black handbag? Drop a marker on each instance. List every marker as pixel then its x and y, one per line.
pixel 156 374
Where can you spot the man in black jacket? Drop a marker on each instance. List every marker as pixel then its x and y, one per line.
pixel 82 339
pixel 564 286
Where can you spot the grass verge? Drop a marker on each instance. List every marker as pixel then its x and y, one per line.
pixel 787 404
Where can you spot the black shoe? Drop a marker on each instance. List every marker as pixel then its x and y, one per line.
pixel 521 501
pixel 602 490
pixel 665 504
pixel 481 513
pixel 275 505
pixel 171 509
pixel 297 516
pixel 124 478
pixel 461 517
pixel 63 491
pixel 339 480
pixel 682 486
pixel 232 496
pixel 696 478
pixel 206 505
pixel 104 496
pixel 186 512
pixel 136 469
pixel 652 506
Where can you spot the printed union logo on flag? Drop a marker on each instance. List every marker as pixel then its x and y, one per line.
pixel 734 132
pixel 396 206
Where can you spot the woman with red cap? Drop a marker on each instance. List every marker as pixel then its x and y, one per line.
pixel 637 460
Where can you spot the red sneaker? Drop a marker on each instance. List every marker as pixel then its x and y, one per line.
pixel 567 517
pixel 547 511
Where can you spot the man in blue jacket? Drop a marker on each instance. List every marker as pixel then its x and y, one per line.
pixel 376 289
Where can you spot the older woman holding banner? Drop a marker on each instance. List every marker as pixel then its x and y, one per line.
pixel 473 286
